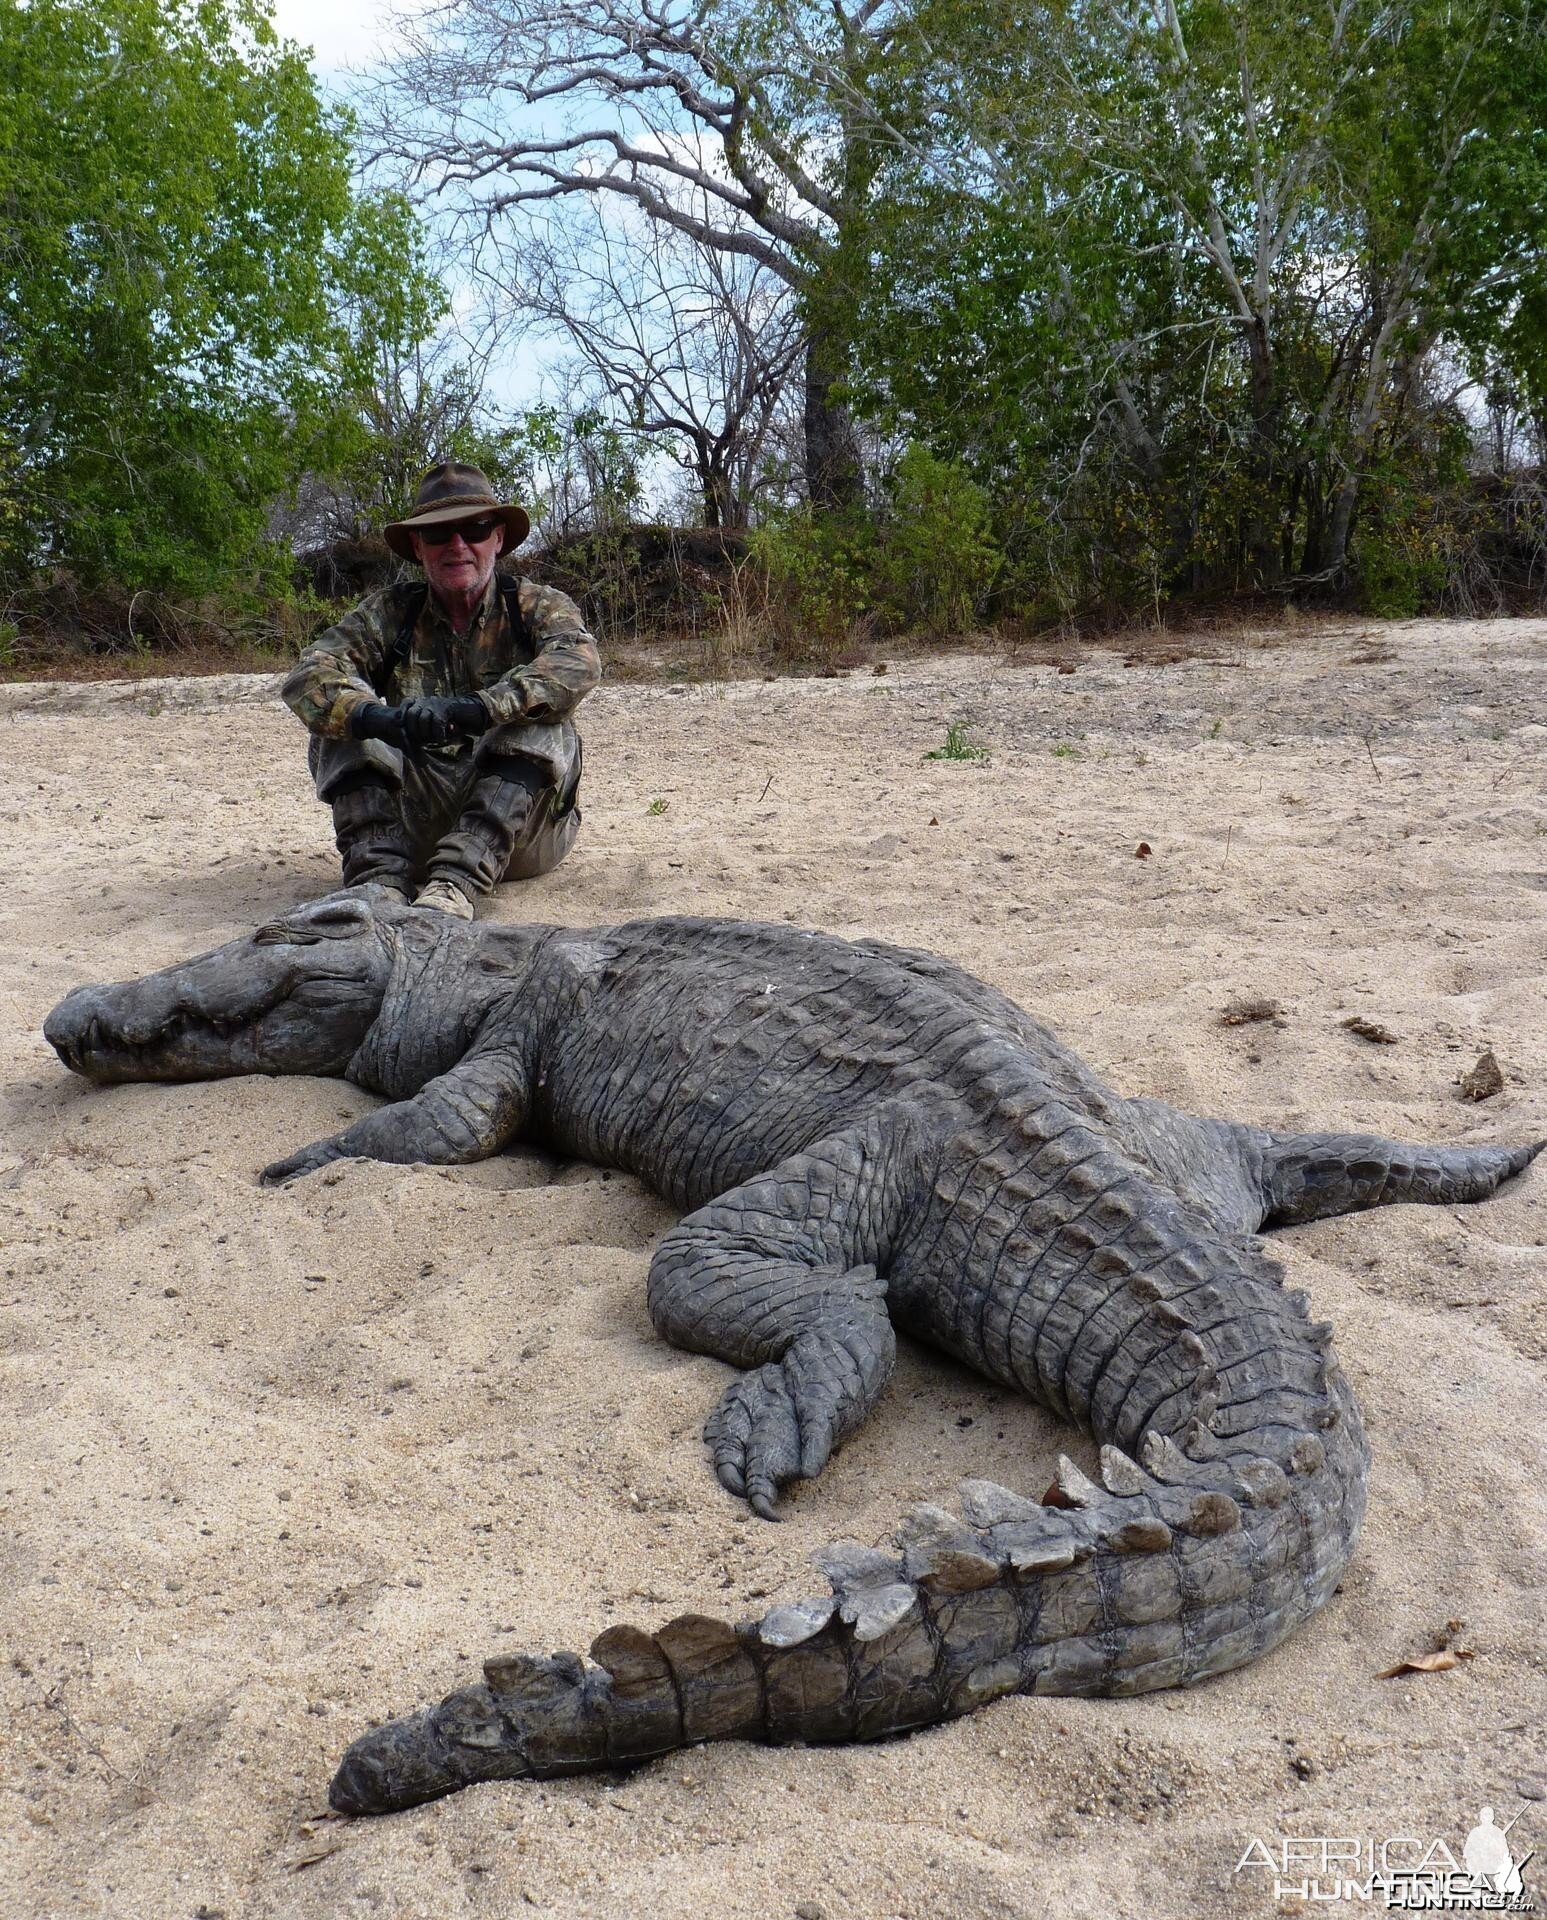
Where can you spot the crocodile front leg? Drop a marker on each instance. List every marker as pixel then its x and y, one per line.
pixel 779 1275
pixel 466 1114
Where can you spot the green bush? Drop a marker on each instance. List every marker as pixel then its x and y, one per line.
pixel 1391 578
pixel 818 573
pixel 925 563
pixel 936 561
pixel 1405 531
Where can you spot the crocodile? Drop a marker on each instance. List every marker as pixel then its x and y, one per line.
pixel 859 1138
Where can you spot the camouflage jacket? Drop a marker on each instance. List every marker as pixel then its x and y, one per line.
pixel 539 674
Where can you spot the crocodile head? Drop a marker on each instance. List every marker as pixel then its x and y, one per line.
pixel 297 996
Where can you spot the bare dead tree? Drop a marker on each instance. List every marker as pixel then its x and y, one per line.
pixel 424 401
pixel 741 128
pixel 699 347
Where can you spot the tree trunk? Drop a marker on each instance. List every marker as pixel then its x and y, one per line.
pixel 1291 509
pixel 711 487
pixel 1361 441
pixel 834 477
pixel 1262 530
pixel 1343 503
pixel 719 498
pixel 1311 561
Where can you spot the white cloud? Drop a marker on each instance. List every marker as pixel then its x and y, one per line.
pixel 342 34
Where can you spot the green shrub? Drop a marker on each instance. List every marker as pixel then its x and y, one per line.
pixel 957 746
pixel 937 558
pixel 925 563
pixel 1391 582
pixel 818 572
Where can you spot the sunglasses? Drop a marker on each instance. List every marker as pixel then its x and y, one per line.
pixel 472 531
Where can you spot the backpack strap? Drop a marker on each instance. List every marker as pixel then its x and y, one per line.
pixel 402 645
pixel 510 593
pixel 413 606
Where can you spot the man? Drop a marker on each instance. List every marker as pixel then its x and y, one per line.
pixel 439 713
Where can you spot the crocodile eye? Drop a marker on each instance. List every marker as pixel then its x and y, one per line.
pixel 334 920
pixel 339 919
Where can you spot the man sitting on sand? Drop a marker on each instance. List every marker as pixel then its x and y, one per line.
pixel 439 712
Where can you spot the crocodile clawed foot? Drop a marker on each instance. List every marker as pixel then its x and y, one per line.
pixel 296 1166
pixel 754 1437
pixel 777 1424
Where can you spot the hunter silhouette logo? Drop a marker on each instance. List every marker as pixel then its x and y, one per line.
pixel 1486 1855
pixel 1403 1872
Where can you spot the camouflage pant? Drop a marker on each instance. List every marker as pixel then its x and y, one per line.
pixel 503 808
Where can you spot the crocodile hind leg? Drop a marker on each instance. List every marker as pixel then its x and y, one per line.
pixel 779 1276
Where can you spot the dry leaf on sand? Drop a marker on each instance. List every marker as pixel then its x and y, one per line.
pixel 1446 1654
pixel 1246 1008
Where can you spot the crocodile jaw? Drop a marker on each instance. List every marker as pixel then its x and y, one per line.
pixel 298 996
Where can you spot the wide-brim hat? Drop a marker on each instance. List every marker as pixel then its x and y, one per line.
pixel 451 492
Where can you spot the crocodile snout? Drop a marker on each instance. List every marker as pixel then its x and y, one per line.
pixel 73 1029
pixel 103 1034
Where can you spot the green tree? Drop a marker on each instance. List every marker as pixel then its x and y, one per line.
pixel 1173 280
pixel 183 272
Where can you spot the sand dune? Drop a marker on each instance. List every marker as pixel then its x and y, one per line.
pixel 278 1464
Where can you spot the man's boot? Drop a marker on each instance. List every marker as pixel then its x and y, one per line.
pixel 372 841
pixel 499 808
pixel 446 897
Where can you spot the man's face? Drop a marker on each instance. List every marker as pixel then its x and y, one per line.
pixel 463 563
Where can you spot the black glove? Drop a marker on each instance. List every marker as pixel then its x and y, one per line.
pixel 424 722
pixel 466 716
pixel 431 723
pixel 373 721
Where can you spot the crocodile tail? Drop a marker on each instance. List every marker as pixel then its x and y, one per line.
pixel 1307 1176
pixel 1170 1571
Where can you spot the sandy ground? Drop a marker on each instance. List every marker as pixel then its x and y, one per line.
pixel 278 1464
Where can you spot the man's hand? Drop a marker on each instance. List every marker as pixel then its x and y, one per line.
pixel 431 723
pixel 373 721
pixel 466 716
pixel 424 722
pixel 421 723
